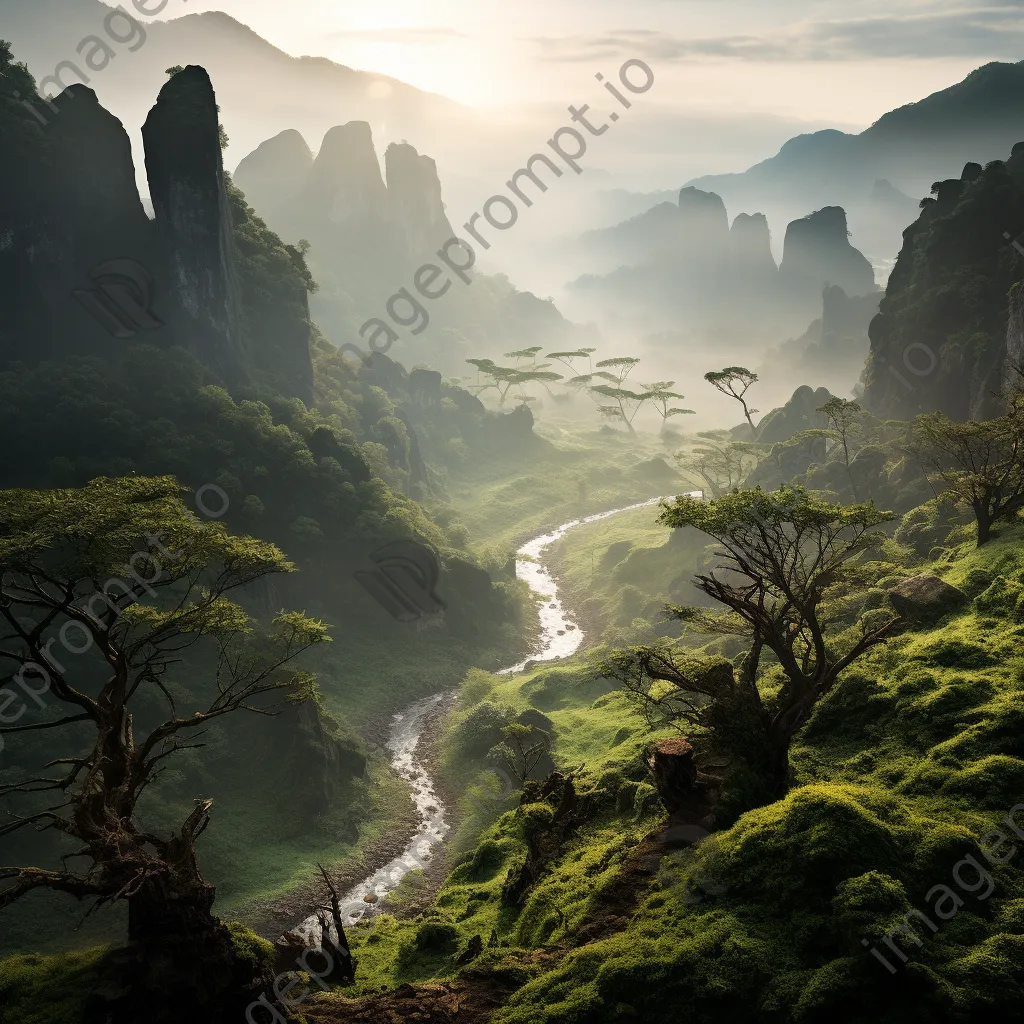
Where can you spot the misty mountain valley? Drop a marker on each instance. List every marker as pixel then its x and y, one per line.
pixel 511 514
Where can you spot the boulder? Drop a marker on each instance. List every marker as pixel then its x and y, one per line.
pixel 473 949
pixel 926 599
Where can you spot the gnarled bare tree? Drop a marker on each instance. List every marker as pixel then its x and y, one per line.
pixel 128 580
pixel 782 556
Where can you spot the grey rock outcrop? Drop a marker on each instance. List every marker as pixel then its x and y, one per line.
pixel 73 206
pixel 799 413
pixel 926 599
pixel 85 272
pixel 186 182
pixel 704 218
pixel 750 248
pixel 818 252
pixel 1013 359
pixel 345 184
pixel 274 175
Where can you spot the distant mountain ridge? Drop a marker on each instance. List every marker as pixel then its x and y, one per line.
pixel 369 234
pixel 261 88
pixel 979 118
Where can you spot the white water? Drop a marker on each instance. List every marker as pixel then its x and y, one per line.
pixel 559 638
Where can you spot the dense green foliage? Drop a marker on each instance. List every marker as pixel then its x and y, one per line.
pixel 900 774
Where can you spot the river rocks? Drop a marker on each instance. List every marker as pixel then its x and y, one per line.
pixel 926 599
pixel 674 770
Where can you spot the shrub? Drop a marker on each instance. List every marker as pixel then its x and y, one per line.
pixel 1001 597
pixel 536 818
pixel 255 952
pixel 436 937
pixel 959 654
pixel 486 860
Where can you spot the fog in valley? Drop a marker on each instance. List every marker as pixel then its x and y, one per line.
pixel 511 513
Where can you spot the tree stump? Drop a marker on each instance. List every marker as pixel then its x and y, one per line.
pixel 674 771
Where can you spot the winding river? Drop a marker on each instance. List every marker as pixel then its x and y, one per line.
pixel 559 637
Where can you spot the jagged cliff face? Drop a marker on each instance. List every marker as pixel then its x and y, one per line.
pixel 704 222
pixel 345 182
pixel 1013 358
pixel 186 181
pixel 750 246
pixel 368 238
pixel 947 334
pixel 834 347
pixel 692 270
pixel 74 207
pixel 85 271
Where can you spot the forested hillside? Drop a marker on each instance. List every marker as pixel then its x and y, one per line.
pixel 666 666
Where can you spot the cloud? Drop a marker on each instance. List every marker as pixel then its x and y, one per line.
pixel 994 30
pixel 421 35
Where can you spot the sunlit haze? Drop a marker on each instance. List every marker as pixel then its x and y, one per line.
pixel 845 63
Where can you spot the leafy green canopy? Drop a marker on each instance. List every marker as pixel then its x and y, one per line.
pixel 782 555
pixel 792 541
pixel 129 579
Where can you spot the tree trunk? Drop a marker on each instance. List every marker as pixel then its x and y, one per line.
pixel 181 962
pixel 171 905
pixel 778 769
pixel 174 900
pixel 984 529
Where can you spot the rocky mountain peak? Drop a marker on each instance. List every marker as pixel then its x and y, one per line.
pixel 345 182
pixel 818 251
pixel 186 182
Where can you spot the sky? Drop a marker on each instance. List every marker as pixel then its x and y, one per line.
pixel 844 63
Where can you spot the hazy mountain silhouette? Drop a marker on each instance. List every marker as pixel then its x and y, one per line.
pixel 261 89
pixel 369 232
pixel 683 267
pixel 977 119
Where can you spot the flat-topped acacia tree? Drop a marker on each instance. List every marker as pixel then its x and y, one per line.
pixel 783 556
pixel 129 579
pixel 735 381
